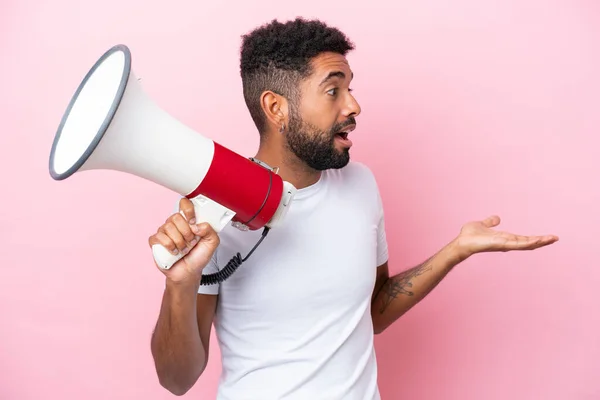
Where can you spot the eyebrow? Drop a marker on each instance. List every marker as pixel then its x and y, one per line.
pixel 335 74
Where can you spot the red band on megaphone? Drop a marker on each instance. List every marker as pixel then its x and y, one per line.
pixel 251 191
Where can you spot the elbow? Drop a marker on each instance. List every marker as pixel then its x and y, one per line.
pixel 177 376
pixel 380 324
pixel 377 330
pixel 176 390
pixel 179 384
pixel 378 327
pixel 177 387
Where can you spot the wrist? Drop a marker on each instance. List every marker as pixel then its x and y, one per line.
pixel 183 284
pixel 458 252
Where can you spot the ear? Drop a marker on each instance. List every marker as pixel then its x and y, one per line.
pixel 275 108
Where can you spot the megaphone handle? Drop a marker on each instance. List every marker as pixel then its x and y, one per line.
pixel 206 210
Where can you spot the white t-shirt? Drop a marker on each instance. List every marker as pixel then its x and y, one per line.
pixel 294 321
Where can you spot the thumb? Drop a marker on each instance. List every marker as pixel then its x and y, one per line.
pixel 491 221
pixel 202 252
pixel 207 234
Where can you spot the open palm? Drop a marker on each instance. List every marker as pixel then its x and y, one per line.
pixel 478 237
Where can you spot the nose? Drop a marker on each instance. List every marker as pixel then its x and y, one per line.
pixel 352 108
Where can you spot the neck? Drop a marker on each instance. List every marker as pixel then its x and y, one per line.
pixel 291 169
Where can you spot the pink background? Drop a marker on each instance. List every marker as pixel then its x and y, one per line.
pixel 470 107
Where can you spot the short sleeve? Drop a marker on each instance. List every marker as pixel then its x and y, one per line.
pixel 212 267
pixel 382 245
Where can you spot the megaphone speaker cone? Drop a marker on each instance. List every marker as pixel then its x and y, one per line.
pixel 90 112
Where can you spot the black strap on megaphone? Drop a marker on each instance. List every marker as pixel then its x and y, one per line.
pixel 237 260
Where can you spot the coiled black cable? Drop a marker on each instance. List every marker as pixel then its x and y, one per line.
pixel 232 265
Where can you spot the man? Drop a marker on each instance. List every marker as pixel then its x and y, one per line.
pixel 296 320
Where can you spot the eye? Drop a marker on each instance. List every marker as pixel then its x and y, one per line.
pixel 333 92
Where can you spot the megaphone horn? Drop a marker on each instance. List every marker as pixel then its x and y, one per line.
pixel 111 124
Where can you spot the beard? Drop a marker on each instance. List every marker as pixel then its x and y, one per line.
pixel 314 146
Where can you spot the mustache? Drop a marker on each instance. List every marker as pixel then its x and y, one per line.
pixel 340 127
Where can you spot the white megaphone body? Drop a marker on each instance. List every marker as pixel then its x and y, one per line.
pixel 111 124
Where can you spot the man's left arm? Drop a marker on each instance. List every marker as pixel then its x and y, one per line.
pixel 394 296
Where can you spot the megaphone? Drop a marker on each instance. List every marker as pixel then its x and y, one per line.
pixel 110 124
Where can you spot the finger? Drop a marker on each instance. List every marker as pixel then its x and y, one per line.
pixel 545 240
pixel 171 230
pixel 207 233
pixel 183 227
pixel 491 221
pixel 531 242
pixel 164 240
pixel 187 208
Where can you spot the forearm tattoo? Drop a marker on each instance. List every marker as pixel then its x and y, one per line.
pixel 401 284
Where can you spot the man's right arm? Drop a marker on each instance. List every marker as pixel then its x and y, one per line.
pixel 181 339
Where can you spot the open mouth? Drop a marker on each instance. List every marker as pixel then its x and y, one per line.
pixel 344 134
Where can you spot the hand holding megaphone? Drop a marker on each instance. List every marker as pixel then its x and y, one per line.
pixel 178 228
pixel 186 239
pixel 110 124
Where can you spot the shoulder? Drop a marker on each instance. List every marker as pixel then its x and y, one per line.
pixel 355 182
pixel 355 173
pixel 359 168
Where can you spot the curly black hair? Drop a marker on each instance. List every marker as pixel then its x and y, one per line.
pixel 276 56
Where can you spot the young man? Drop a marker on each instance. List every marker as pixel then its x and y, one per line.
pixel 296 320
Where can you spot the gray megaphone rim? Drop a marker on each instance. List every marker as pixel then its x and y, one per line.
pixel 107 120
